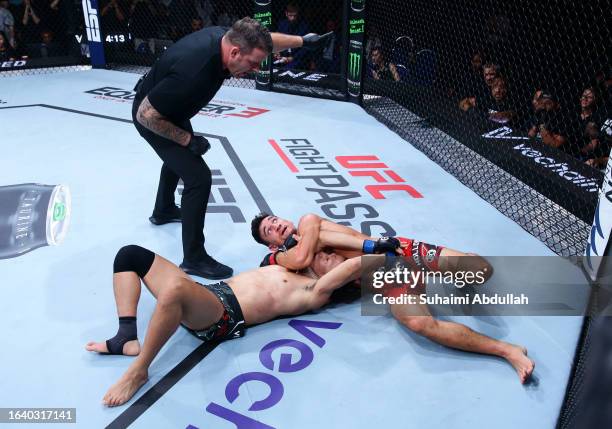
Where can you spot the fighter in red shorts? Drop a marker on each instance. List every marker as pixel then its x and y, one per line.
pixel 317 243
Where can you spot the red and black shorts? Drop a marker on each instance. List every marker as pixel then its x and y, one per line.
pixel 231 324
pixel 419 256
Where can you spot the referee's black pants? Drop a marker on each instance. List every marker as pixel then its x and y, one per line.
pixel 180 162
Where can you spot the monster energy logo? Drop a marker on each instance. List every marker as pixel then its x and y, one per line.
pixel 354 73
pixel 263 76
pixel 354 65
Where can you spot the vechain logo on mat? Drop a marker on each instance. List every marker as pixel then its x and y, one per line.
pixel 214 109
pixel 331 188
pixel 287 363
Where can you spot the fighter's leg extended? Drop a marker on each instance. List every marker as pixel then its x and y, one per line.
pixel 418 319
pixel 131 264
pixel 178 299
pixel 428 256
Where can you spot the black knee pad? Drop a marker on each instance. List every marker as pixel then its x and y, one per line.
pixel 133 258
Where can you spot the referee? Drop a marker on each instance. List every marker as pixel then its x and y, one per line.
pixel 182 81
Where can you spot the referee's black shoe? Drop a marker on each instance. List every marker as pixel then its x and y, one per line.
pixel 162 219
pixel 207 268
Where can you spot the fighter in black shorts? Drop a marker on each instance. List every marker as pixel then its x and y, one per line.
pixel 218 311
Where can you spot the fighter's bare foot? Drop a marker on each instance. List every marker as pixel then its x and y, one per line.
pixel 125 388
pixel 517 356
pixel 131 348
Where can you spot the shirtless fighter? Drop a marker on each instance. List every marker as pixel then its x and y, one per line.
pixel 215 311
pixel 298 248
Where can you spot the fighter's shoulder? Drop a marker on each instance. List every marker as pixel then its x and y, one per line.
pixel 310 217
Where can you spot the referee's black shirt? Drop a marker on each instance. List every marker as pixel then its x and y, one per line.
pixel 187 76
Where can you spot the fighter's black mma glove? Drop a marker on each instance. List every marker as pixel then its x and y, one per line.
pixel 198 145
pixel 312 41
pixel 382 245
pixel 290 242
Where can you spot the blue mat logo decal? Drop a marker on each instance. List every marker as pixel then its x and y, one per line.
pixel 285 365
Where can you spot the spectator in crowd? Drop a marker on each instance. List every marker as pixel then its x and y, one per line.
pixel 547 123
pixel 499 107
pixel 196 24
pixel 490 72
pixel 382 69
pixel 7 23
pixel 328 61
pixel 48 47
pixel 374 40
pixel 114 18
pixel 292 24
pixel 472 83
pixel 224 19
pixel 589 122
pixel 603 84
pixel 30 23
pixel 592 132
pixel 6 51
pixel 141 24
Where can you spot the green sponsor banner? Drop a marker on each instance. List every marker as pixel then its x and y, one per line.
pixel 263 14
pixel 354 68
pixel 356 32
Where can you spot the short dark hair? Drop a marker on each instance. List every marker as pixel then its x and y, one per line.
pixel 255 224
pixel 248 34
pixel 491 66
pixel 293 7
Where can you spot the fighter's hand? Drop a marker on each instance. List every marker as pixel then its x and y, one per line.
pixel 198 145
pixel 291 241
pixel 313 41
pixel 383 245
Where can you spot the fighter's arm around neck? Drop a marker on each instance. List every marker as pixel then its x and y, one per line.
pixel 313 239
pixel 317 233
pixel 282 42
pixel 300 256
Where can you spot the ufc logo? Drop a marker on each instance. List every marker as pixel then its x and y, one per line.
pixel 371 166
pixel 91 22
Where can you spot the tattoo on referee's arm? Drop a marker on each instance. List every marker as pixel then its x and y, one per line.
pixel 151 119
